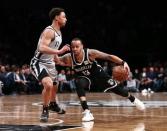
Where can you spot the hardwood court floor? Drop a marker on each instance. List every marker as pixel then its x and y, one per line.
pixel 111 112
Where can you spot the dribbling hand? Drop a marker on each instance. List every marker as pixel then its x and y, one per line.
pixel 127 68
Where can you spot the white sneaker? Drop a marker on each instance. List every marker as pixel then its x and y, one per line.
pixel 139 127
pixel 139 104
pixel 87 116
pixel 88 124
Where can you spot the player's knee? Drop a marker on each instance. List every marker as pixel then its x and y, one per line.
pixel 47 85
pixel 82 82
pixel 80 92
pixel 124 94
pixel 119 90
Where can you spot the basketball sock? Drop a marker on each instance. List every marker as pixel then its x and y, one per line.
pixel 45 114
pixel 54 106
pixel 84 105
pixel 45 108
pixel 131 98
pixel 53 103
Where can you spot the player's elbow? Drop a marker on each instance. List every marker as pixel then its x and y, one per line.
pixel 109 58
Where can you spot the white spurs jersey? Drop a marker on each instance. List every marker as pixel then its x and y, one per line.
pixel 54 44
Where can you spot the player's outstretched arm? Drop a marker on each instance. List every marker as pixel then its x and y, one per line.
pixel 64 60
pixel 96 54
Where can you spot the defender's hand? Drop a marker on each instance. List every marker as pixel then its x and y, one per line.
pixel 65 49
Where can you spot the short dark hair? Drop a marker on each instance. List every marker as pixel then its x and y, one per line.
pixel 75 39
pixel 55 12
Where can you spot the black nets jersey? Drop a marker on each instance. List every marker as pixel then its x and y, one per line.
pixel 93 72
pixel 86 67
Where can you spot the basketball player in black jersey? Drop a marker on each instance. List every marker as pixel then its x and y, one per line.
pixel 83 62
pixel 43 65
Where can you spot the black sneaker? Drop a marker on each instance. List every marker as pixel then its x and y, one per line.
pixel 53 106
pixel 45 115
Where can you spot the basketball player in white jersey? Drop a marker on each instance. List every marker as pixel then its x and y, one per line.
pixel 42 64
pixel 88 71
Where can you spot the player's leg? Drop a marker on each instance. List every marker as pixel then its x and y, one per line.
pixel 82 83
pixel 40 72
pixel 47 85
pixel 53 105
pixel 118 89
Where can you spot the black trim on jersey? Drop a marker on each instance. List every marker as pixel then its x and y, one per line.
pixel 38 68
pixel 35 66
pixel 83 59
pixel 79 77
pixel 43 74
pixel 87 56
pixel 56 31
pixel 86 51
pixel 42 61
pixel 53 30
pixel 40 54
pixel 32 66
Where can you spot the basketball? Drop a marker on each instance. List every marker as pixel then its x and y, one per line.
pixel 119 73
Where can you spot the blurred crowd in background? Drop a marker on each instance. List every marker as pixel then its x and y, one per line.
pixel 19 80
pixel 134 31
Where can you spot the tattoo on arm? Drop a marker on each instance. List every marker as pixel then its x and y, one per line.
pixel 95 54
pixel 66 60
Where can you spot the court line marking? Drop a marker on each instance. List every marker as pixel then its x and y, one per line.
pixel 68 129
pixel 44 124
pixel 121 115
pixel 37 104
pixel 151 104
pixel 81 114
pixel 47 124
pixel 22 112
pixel 40 124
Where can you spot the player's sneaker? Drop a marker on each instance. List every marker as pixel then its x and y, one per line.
pixel 53 106
pixel 87 116
pixel 45 115
pixel 139 104
pixel 88 125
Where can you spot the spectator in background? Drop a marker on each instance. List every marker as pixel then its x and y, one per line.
pixel 20 83
pixel 152 76
pixel 136 74
pixel 34 85
pixel 159 84
pixel 70 75
pixel 2 75
pixel 63 84
pixel 132 84
pixel 145 82
pixel 9 79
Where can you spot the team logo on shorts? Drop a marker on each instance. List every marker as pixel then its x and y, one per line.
pixel 111 82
